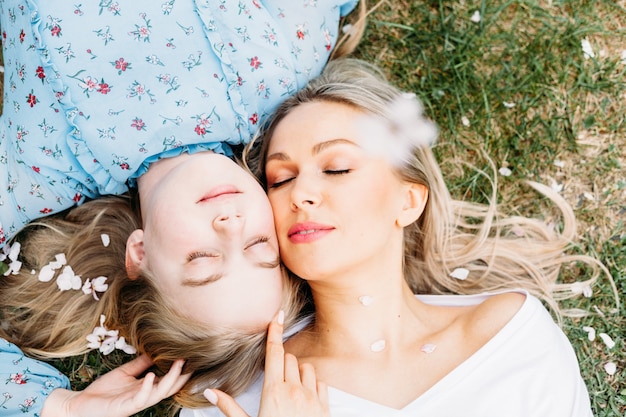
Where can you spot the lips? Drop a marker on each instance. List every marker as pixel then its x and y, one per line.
pixel 219 193
pixel 308 232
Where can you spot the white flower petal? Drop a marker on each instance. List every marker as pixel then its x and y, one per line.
pixel 558 163
pixel 508 104
pixel 556 187
pixel 623 56
pixel 465 121
pixel 505 172
pixel 14 251
pixel 87 287
pixel 460 274
pixel 610 368
pixel 607 340
pixel 475 17
pixel 591 333
pixel 106 240
pixel 587 49
pixel 46 273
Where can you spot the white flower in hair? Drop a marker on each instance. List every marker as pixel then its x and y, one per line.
pixel 67 280
pixel 12 252
pixel 106 340
pixel 402 129
pixel 92 286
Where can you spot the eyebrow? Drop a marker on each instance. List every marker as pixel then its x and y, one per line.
pixel 193 282
pixel 280 156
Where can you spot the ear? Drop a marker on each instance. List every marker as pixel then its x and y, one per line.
pixel 135 254
pixel 416 196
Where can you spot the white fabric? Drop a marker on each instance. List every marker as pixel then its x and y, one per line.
pixel 528 368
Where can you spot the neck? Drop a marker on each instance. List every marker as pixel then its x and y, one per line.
pixel 366 312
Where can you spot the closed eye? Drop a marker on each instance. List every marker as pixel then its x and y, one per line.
pixel 337 171
pixel 279 183
pixel 257 241
pixel 200 254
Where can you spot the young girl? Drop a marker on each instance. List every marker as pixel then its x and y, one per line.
pixel 97 96
pixel 423 305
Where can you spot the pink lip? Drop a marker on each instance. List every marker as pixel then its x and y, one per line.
pixel 308 232
pixel 220 192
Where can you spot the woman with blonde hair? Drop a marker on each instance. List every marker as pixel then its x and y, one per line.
pixel 424 305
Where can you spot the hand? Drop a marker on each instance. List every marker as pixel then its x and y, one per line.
pixel 288 389
pixel 117 393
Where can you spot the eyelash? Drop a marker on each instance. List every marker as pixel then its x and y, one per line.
pixel 327 172
pixel 202 254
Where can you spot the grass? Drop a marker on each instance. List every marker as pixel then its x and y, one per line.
pixel 534 104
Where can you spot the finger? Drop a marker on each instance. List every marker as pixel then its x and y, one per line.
pixel 307 376
pixel 225 403
pixel 142 399
pixel 173 381
pixel 274 352
pixel 322 394
pixel 292 373
pixel 137 366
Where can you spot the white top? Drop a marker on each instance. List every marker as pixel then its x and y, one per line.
pixel 528 368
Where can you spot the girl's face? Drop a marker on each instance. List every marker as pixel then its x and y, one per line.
pixel 337 207
pixel 209 241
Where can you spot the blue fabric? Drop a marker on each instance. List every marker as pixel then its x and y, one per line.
pixel 96 91
pixel 26 382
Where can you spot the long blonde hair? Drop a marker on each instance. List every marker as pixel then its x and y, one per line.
pixel 499 252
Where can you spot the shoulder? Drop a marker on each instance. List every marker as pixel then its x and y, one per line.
pixel 490 316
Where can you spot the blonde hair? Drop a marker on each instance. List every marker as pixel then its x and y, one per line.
pixel 47 323
pixel 450 233
pixel 43 321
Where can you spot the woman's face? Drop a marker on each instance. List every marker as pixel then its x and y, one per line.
pixel 209 241
pixel 336 206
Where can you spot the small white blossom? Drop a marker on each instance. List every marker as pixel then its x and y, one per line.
pixel 95 285
pixel 508 104
pixel 591 333
pixel 106 240
pixel 122 345
pixel 106 340
pixel 59 261
pixel 67 280
pixel 505 172
pixel 475 17
pixel 12 252
pixel 587 49
pixel 46 273
pixel 610 368
pixel 465 121
pixel 396 134
pixel 460 274
pixel 607 340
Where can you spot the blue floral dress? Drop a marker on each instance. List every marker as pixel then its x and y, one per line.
pixel 25 382
pixel 96 91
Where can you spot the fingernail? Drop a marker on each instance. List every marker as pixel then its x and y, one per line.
pixel 211 396
pixel 281 317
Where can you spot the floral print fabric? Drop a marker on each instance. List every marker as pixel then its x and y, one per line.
pixel 25 382
pixel 96 91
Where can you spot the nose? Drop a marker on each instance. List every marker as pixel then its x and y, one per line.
pixel 228 222
pixel 304 193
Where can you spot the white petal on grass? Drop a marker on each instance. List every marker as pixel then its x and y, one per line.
pixel 475 17
pixel 587 49
pixel 508 104
pixel 623 56
pixel 505 172
pixel 460 274
pixel 556 187
pixel 591 333
pixel 587 291
pixel 106 240
pixel 607 340
pixel 558 163
pixel 465 121
pixel 610 368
